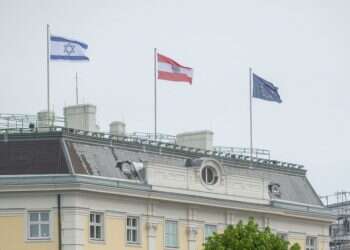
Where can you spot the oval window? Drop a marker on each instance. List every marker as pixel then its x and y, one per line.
pixel 209 175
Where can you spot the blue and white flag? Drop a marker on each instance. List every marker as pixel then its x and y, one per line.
pixel 65 49
pixel 265 90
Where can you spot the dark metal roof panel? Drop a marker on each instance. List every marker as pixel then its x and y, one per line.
pixel 32 157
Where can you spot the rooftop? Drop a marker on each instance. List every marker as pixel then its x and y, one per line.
pixel 141 142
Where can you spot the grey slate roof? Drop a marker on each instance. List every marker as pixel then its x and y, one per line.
pixel 294 187
pixel 30 153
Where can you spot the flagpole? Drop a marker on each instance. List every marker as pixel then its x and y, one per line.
pixel 155 93
pixel 48 68
pixel 76 88
pixel 251 117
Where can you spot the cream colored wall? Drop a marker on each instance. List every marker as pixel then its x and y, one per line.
pixel 200 237
pixel 13 234
pixel 160 236
pixel 114 236
pixel 183 237
pixel 115 208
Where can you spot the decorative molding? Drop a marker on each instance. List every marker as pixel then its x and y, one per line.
pixel 266 221
pixel 229 217
pixel 12 211
pixel 151 229
pixel 192 232
pixel 95 185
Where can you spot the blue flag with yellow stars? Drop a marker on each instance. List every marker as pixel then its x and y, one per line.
pixel 265 90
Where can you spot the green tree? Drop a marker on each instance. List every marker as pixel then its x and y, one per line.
pixel 295 246
pixel 247 237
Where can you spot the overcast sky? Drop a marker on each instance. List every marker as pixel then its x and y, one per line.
pixel 302 46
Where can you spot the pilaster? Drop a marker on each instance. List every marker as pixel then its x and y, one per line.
pixel 192 232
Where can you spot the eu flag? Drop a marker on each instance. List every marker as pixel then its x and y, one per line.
pixel 265 90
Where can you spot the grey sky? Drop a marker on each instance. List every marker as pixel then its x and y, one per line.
pixel 301 46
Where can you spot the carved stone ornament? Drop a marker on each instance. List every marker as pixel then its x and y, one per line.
pixel 192 232
pixel 152 228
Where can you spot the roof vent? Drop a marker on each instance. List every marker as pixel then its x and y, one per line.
pixel 198 139
pixel 45 120
pixel 81 116
pixel 117 128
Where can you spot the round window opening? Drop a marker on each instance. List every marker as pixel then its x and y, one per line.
pixel 209 175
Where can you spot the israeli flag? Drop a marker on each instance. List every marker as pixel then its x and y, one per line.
pixel 265 90
pixel 65 49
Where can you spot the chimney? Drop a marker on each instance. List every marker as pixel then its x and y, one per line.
pixel 117 128
pixel 45 120
pixel 81 116
pixel 197 139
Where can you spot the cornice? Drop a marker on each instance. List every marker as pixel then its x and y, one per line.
pixel 59 183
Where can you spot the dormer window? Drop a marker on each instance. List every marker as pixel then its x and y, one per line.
pixel 209 175
pixel 274 190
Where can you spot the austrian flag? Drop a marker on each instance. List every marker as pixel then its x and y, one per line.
pixel 170 70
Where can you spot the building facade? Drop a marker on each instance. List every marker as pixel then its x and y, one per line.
pixel 339 231
pixel 69 189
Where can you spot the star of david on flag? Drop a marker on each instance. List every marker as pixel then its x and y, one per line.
pixel 265 90
pixel 65 49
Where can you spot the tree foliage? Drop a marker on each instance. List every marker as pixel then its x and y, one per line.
pixel 247 237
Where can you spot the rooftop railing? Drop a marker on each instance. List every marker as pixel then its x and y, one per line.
pixel 22 121
pixel 5 134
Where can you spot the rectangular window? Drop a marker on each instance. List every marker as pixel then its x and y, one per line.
pixel 209 230
pixel 96 226
pixel 171 234
pixel 132 229
pixel 311 243
pixel 39 225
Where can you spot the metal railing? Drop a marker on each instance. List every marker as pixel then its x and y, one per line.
pixel 257 152
pixel 22 121
pixel 5 134
pixel 151 136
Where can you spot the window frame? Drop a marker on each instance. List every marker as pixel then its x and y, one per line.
pixel 165 234
pixel 205 231
pixel 308 246
pixel 204 175
pixel 137 228
pixel 95 225
pixel 39 223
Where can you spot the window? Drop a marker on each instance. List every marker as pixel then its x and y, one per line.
pixel 209 230
pixel 132 229
pixel 96 226
pixel 275 190
pixel 311 243
pixel 171 234
pixel 209 175
pixel 39 225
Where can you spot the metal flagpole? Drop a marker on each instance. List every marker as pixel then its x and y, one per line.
pixel 48 68
pixel 155 93
pixel 251 117
pixel 76 88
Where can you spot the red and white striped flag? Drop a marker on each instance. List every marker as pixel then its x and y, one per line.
pixel 170 70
